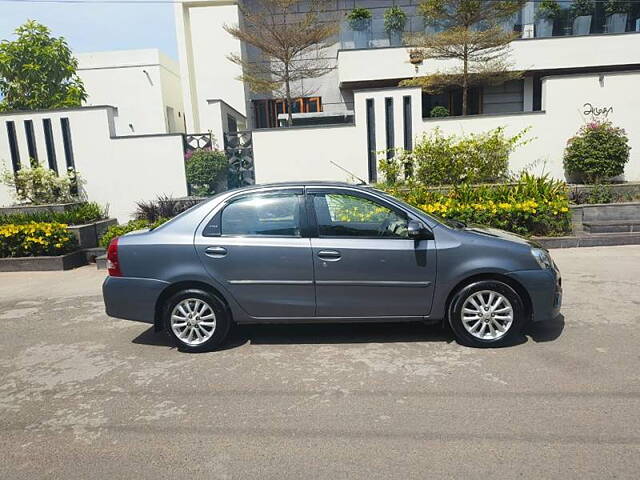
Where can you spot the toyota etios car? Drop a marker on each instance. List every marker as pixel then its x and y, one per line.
pixel 319 252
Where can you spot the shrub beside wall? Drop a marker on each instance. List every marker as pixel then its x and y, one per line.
pixel 132 226
pixel 597 152
pixel 35 239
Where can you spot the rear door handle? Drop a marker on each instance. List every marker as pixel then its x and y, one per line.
pixel 215 252
pixel 330 255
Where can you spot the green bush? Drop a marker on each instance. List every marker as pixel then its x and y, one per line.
pixel 529 206
pixel 204 169
pixel 548 10
pixel 359 18
pixel 163 206
pixel 40 185
pixel 439 111
pixel 394 19
pixel 612 7
pixel 439 159
pixel 133 225
pixel 84 213
pixel 581 8
pixel 598 152
pixel 35 239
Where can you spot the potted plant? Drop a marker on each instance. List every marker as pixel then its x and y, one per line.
pixel 548 11
pixel 394 22
pixel 617 12
pixel 359 20
pixel 582 12
pixel 439 112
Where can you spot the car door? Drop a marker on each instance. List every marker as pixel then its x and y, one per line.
pixel 365 263
pixel 255 246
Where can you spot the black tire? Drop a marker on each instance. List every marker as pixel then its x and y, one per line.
pixel 222 320
pixel 455 314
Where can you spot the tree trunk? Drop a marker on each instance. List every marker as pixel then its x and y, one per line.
pixel 465 81
pixel 287 88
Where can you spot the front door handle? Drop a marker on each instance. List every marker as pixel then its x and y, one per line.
pixel 215 252
pixel 330 255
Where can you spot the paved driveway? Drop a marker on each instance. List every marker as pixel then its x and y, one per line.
pixel 86 396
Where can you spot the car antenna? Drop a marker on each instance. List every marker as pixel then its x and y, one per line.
pixel 360 181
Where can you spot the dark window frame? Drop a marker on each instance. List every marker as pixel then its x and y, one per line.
pixel 390 127
pixel 32 148
pixel 14 149
pixel 67 143
pixel 49 144
pixel 372 164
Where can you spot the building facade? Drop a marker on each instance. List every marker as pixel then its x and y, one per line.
pixel 580 57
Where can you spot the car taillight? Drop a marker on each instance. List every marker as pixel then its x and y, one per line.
pixel 113 266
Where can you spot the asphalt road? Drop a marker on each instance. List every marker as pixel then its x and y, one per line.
pixel 86 396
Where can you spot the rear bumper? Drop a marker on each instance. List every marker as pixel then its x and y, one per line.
pixel 545 290
pixel 132 298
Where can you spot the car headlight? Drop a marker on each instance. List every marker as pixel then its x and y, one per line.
pixel 542 257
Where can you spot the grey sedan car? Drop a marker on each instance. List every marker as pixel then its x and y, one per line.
pixel 315 252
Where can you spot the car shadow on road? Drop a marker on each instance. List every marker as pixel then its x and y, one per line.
pixel 545 331
pixel 316 334
pixel 343 333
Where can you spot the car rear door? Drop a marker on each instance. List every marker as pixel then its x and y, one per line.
pixel 256 247
pixel 365 263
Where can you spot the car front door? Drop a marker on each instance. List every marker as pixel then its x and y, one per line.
pixel 255 247
pixel 365 263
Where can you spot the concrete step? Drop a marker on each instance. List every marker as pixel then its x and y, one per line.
pixel 611 226
pixel 101 262
pixel 609 211
pixel 591 240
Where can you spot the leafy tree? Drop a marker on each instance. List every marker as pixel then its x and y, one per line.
pixel 38 71
pixel 292 44
pixel 473 38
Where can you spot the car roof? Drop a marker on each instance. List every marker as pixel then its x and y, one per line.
pixel 306 183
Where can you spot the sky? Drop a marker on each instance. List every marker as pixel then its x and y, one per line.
pixel 97 27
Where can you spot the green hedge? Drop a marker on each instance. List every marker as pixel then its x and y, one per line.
pixel 132 226
pixel 35 239
pixel 85 213
pixel 530 206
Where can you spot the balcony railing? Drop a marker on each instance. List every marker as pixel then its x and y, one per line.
pixel 528 22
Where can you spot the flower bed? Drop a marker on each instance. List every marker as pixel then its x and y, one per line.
pixel 35 239
pixel 529 206
pixel 76 214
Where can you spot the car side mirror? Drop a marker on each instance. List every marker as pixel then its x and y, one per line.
pixel 418 231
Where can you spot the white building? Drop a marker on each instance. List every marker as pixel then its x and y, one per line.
pixel 144 86
pixel 577 70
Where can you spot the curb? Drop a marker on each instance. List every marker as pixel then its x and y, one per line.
pixel 593 240
pixel 33 264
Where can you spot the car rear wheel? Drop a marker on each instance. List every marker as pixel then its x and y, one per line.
pixel 487 313
pixel 196 320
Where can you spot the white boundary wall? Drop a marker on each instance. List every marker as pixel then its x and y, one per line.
pixel 304 153
pixel 119 171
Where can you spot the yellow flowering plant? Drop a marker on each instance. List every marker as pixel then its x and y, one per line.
pixel 529 206
pixel 35 239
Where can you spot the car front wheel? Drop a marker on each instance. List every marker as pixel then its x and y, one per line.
pixel 487 313
pixel 196 320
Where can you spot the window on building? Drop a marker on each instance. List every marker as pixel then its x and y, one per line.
pixel 13 146
pixel 267 111
pixel 49 144
pixel 31 142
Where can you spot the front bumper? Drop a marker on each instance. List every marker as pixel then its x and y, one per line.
pixel 545 291
pixel 132 298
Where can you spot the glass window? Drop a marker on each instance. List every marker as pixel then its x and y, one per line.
pixel 341 215
pixel 274 215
